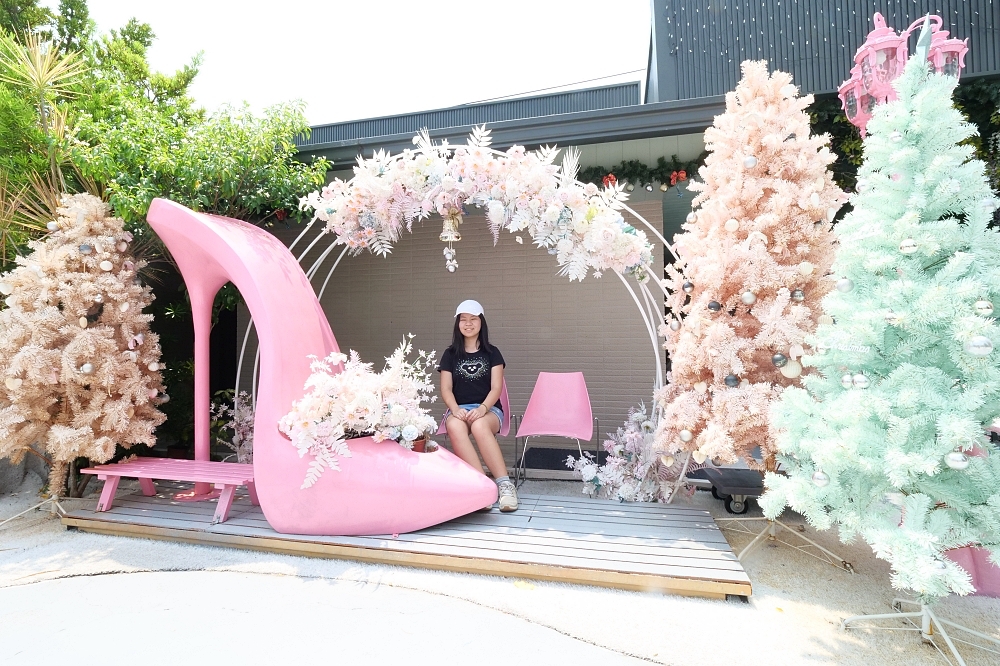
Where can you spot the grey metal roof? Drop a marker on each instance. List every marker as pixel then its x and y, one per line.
pixel 640 121
pixel 698 45
pixel 604 97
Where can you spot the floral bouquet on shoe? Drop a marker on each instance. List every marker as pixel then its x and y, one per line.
pixel 358 402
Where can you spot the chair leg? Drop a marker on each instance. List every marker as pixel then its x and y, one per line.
pixel 523 470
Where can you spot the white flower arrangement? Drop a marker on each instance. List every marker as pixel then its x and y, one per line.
pixel 239 419
pixel 520 190
pixel 355 402
pixel 633 471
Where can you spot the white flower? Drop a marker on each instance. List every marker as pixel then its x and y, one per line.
pixel 410 433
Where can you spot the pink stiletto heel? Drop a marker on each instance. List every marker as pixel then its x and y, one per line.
pixel 382 488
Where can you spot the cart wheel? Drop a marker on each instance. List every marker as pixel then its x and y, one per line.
pixel 736 506
pixel 717 495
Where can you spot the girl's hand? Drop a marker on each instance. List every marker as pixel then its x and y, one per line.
pixel 476 414
pixel 461 414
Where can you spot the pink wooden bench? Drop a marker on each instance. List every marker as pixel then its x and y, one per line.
pixel 224 476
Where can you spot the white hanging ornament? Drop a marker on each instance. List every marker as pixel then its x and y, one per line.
pixel 908 246
pixel 957 460
pixel 13 383
pixel 806 268
pixel 691 218
pixel 153 367
pixel 791 370
pixel 152 393
pixel 893 318
pixel 984 308
pixel 87 368
pixel 861 381
pixel 106 265
pixel 98 298
pixel 6 288
pixel 824 319
pixel 123 306
pixel 821 478
pixel 9 301
pixel 675 324
pixel 896 137
pixel 52 226
pixel 845 285
pixel 821 348
pixel 748 297
pixel 796 351
pixel 814 199
pixel 667 461
pixel 685 435
pixel 847 381
pixel 749 162
pixel 732 224
pixel 83 322
pixel 978 345
pixel 122 246
pixel 701 387
pixel 699 457
pixel 164 399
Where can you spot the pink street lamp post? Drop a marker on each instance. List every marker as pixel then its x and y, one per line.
pixel 880 60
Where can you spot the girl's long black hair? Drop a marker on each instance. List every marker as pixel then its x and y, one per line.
pixel 458 340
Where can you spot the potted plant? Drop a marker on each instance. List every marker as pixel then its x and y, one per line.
pixel 358 402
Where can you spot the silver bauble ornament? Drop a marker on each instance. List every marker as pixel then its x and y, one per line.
pixel 908 246
pixel 99 298
pixel 685 435
pixel 779 360
pixel 86 249
pixel 687 287
pixel 749 162
pixel 978 345
pixel 984 308
pixel 452 268
pixel 861 381
pixel 649 188
pixel 847 381
pixel 164 398
pixel 675 324
pixel 691 218
pixel 845 285
pixel 956 460
pixel 87 368
pixel 798 295
pixel 732 381
pixel 821 478
pixel 748 298
pixel 896 137
pixel 714 306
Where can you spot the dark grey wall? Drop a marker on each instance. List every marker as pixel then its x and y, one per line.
pixel 699 44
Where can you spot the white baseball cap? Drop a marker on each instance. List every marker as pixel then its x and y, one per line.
pixel 469 307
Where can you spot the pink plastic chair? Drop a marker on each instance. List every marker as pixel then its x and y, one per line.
pixel 504 406
pixel 559 406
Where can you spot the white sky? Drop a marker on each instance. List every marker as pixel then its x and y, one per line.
pixel 351 59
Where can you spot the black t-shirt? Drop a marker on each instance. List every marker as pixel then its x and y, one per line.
pixel 471 374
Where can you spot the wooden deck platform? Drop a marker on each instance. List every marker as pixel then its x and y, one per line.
pixel 651 547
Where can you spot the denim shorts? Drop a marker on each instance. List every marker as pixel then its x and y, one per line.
pixel 472 405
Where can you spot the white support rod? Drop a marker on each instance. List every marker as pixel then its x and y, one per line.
pixel 656 233
pixel 304 232
pixel 330 274
pixel 253 387
pixel 311 273
pixel 649 329
pixel 314 241
pixel 243 351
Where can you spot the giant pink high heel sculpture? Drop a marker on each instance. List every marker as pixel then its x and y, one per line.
pixel 382 488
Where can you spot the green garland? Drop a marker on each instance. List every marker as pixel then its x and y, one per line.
pixel 634 171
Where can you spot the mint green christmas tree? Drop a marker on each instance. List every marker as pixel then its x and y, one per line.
pixel 888 439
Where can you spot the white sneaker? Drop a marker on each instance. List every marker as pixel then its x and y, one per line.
pixel 508 497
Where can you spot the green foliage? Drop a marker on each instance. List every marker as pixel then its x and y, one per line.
pixel 73 25
pixel 827 117
pixel 634 171
pixel 22 143
pixel 232 163
pixel 19 16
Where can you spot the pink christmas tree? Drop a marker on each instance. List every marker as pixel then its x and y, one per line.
pixel 754 258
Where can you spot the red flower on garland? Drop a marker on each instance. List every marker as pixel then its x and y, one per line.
pixel 281 214
pixel 610 180
pixel 678 176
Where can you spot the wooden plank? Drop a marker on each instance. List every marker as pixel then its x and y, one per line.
pixel 621 580
pixel 417 542
pixel 648 520
pixel 609 529
pixel 602 508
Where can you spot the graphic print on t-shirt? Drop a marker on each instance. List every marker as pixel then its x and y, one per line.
pixel 473 368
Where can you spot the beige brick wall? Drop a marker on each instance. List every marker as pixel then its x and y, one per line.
pixel 539 320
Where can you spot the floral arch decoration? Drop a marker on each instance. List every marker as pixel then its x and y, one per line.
pixel 521 191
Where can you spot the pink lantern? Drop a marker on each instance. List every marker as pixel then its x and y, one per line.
pixel 881 59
